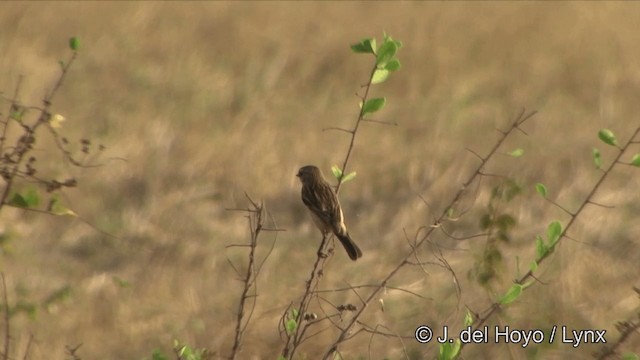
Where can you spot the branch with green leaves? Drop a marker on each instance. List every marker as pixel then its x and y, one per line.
pixel 450 349
pixel 296 321
pixel 385 63
pixel 545 246
pixel 17 160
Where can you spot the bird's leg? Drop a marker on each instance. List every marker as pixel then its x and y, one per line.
pixel 325 237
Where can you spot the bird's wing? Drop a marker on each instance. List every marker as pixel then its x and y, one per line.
pixel 324 203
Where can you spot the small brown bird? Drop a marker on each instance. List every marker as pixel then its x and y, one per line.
pixel 325 209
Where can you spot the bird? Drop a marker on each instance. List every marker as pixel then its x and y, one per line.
pixel 325 209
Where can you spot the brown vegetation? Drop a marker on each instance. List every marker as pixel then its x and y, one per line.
pixel 205 101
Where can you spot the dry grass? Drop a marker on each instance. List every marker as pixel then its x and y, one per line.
pixel 208 100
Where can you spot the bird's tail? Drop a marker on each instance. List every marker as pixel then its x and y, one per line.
pixel 353 250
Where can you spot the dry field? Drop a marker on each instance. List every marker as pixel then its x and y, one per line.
pixel 198 103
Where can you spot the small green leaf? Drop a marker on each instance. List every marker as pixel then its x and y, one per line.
pixel 450 213
pixel 457 345
pixel 541 189
pixel 541 248
pixel 74 43
pixel 444 351
pixel 158 355
pixel 56 208
pixel 18 201
pixel 379 76
pixel 291 326
pixel 608 137
pixel 389 38
pixel 32 196
pixel 630 356
pixel 27 199
pixel 597 159
pixel 337 172
pixel 373 105
pixel 468 318
pixel 349 176
pixel 511 295
pixel 386 52
pixel 553 233
pixel 17 113
pixel 533 266
pixel 517 152
pixel 366 46
pixel 393 65
pixel 635 160
pixel 449 351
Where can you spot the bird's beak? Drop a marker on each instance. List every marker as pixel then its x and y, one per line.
pixel 298 174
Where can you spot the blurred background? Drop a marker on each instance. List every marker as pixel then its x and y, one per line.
pixel 198 103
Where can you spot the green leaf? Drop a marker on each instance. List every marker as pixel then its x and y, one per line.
pixel 349 176
pixel 337 172
pixel 291 326
pixel 533 266
pixel 373 105
pixel 449 351
pixel 597 159
pixel 386 52
pixel 17 113
pixel 32 197
pixel 511 295
pixel 630 356
pixel 457 345
pixel 517 153
pixel 56 208
pixel 393 65
pixel 541 248
pixel 74 43
pixel 553 233
pixel 379 76
pixel 468 318
pixel 608 137
pixel 28 199
pixel 635 160
pixel 389 38
pixel 365 46
pixel 444 351
pixel 541 189
pixel 158 355
pixel 18 201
